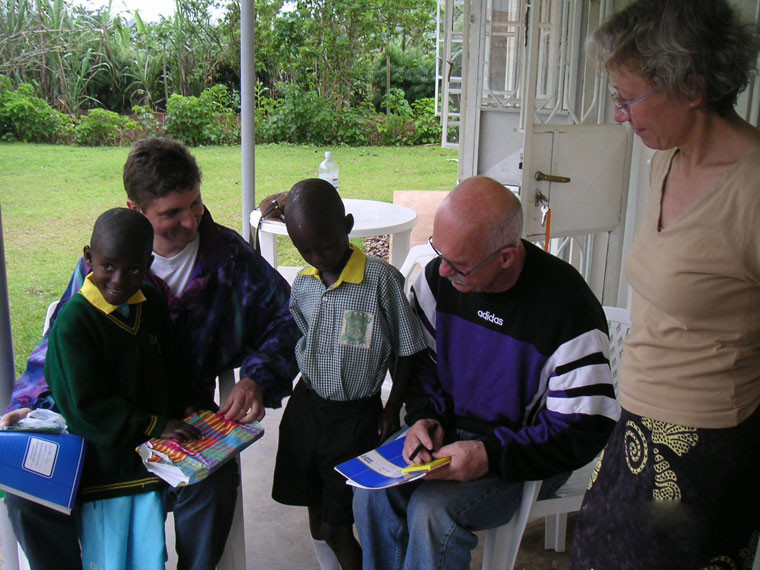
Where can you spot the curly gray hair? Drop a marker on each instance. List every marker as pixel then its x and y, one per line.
pixel 684 48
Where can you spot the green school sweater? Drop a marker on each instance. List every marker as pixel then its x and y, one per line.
pixel 115 380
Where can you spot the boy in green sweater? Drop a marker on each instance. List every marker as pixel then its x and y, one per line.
pixel 108 368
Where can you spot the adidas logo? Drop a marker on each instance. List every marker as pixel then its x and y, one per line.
pixel 488 316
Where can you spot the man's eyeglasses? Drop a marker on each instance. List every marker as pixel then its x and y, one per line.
pixel 623 106
pixel 473 268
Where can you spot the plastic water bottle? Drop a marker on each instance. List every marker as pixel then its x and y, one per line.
pixel 328 170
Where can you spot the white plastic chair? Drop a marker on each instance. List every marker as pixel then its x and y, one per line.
pixel 233 557
pixel 502 543
pixel 418 255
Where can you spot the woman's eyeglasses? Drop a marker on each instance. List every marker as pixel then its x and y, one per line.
pixel 623 106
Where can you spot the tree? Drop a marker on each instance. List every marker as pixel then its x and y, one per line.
pixel 402 20
pixel 78 59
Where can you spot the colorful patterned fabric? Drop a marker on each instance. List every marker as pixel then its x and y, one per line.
pixel 192 461
pixel 234 312
pixel 671 496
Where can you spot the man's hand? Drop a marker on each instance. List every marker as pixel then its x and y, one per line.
pixel 179 430
pixel 419 434
pixel 245 402
pixel 468 461
pixel 13 417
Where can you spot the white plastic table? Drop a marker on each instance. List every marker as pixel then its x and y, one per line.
pixel 371 218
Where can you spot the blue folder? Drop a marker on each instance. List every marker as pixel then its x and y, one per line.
pixel 42 467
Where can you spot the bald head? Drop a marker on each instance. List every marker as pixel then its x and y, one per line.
pixel 477 231
pixel 485 210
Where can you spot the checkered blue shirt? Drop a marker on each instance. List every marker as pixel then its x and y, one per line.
pixel 354 329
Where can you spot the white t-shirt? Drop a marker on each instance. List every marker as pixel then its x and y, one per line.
pixel 176 270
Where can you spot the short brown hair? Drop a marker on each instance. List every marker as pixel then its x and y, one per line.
pixel 157 166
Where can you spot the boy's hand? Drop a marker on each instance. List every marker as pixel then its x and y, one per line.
pixel 388 423
pixel 181 431
pixel 12 418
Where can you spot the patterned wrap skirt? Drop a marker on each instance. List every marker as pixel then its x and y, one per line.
pixel 668 497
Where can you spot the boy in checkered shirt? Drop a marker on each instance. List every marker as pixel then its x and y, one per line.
pixel 355 323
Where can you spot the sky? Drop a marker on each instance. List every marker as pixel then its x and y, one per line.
pixel 150 10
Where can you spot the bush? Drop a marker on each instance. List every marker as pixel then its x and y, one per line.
pixel 150 122
pixel 396 130
pixel 26 118
pixel 298 116
pixel 427 126
pixel 100 127
pixel 395 102
pixel 358 127
pixel 411 70
pixel 208 119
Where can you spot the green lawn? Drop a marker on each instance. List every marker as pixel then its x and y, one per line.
pixel 51 195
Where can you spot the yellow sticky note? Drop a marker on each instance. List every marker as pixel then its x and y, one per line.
pixel 429 466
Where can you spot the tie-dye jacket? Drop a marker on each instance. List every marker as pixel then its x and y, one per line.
pixel 233 312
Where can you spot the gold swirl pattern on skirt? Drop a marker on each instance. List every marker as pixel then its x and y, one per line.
pixel 679 439
pixel 636 449
pixel 747 554
pixel 595 472
pixel 665 480
pixel 721 563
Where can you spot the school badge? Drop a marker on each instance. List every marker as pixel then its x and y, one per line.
pixel 356 329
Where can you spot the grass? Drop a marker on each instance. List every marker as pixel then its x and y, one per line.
pixel 51 195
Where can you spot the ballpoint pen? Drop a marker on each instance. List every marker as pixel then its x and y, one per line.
pixel 420 447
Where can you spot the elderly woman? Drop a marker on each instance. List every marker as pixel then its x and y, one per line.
pixel 677 486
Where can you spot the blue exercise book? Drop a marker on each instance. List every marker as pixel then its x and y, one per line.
pixel 379 468
pixel 42 467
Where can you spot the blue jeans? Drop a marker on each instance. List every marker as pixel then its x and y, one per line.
pixel 203 516
pixel 48 537
pixel 429 524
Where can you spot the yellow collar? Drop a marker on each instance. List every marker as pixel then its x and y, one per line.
pixel 91 292
pixel 353 272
